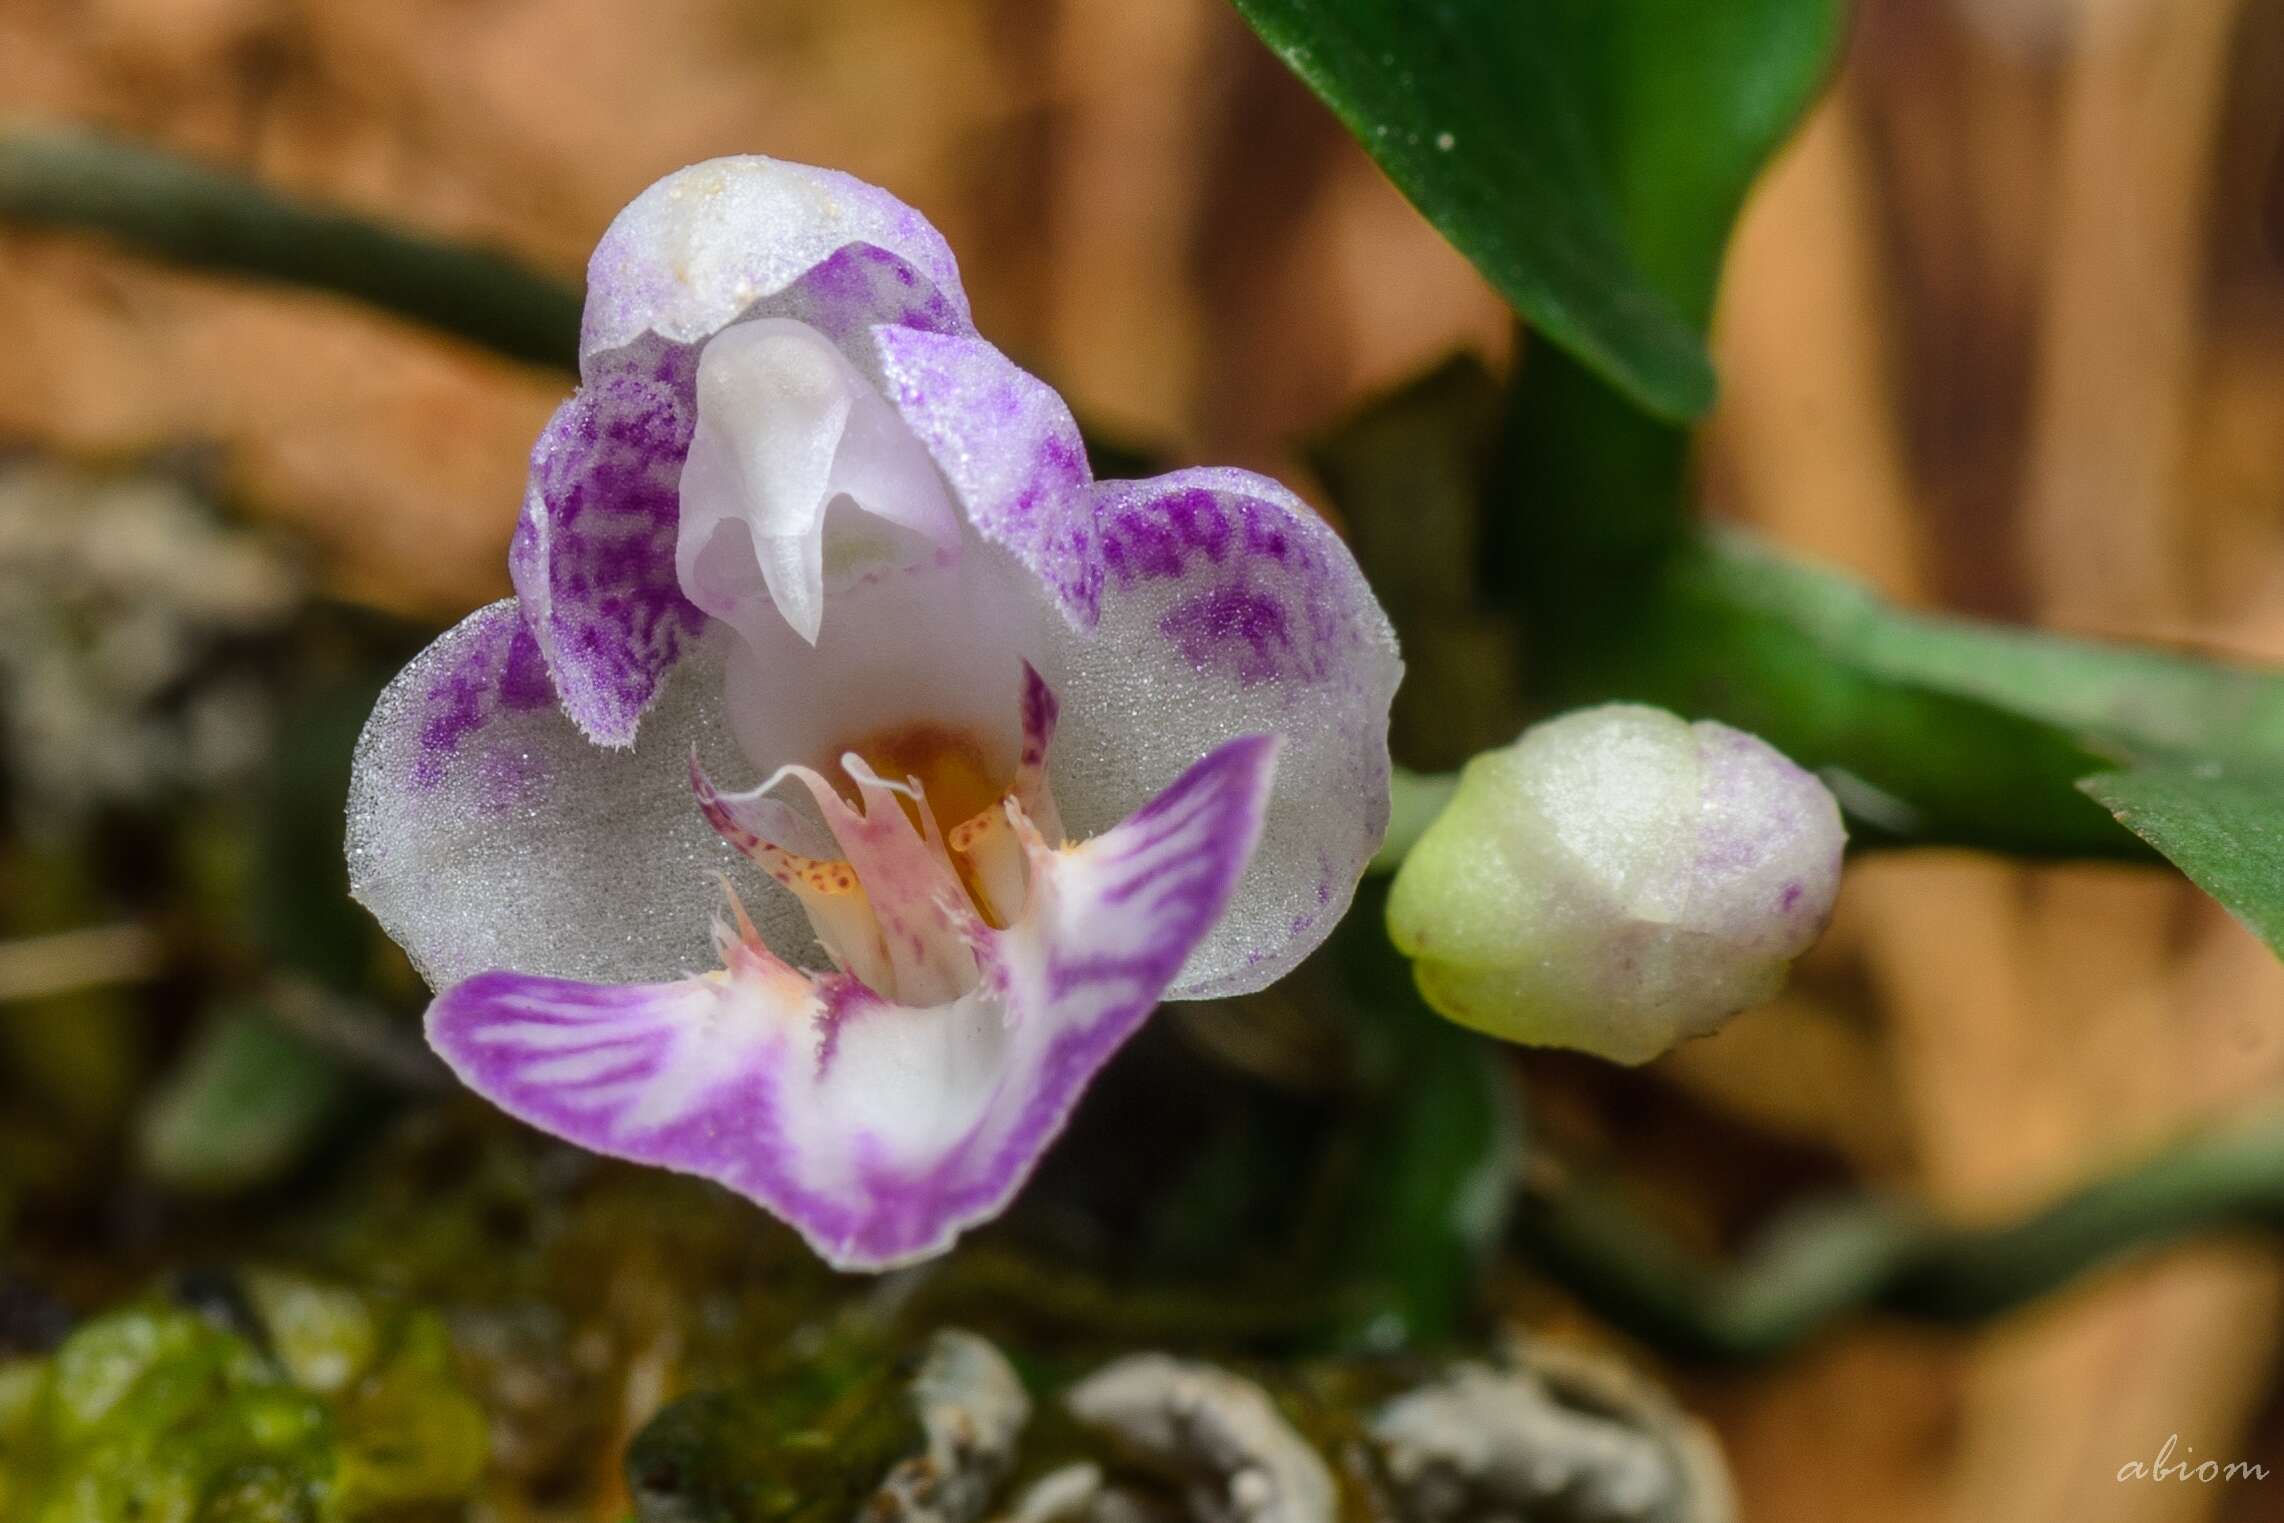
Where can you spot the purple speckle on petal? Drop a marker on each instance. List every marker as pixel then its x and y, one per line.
pixel 1011 452
pixel 1233 628
pixel 500 672
pixel 1260 599
pixel 593 555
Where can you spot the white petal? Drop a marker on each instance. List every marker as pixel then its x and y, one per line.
pixel 787 430
pixel 698 249
pixel 1230 608
pixel 937 643
pixel 489 833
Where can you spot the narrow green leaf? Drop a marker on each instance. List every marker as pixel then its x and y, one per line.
pixel 189 213
pixel 1937 729
pixel 2223 827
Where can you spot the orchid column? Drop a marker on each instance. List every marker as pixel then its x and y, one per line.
pixel 852 773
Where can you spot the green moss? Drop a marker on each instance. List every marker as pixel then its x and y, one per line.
pixel 807 1442
pixel 152 1414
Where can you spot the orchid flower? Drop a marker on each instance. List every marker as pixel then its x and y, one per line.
pixel 851 772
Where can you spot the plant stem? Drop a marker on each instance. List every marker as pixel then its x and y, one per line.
pixel 1872 1255
pixel 192 214
pixel 1415 799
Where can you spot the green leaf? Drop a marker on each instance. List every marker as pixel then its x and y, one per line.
pixel 1472 118
pixel 1936 730
pixel 245 1104
pixel 2223 827
pixel 1686 101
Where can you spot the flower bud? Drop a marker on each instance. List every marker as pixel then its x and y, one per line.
pixel 1616 880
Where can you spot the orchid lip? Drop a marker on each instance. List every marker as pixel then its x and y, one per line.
pixel 896 906
pixel 881 1130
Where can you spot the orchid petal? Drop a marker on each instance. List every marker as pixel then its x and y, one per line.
pixel 678 1074
pixel 788 428
pixel 908 880
pixel 701 247
pixel 939 641
pixel 1230 608
pixel 1013 456
pixel 593 554
pixel 1039 710
pixel 755 822
pixel 879 1131
pixel 486 832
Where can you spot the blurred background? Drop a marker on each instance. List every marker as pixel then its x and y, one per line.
pixel 2002 332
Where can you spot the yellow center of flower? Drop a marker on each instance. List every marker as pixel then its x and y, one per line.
pixel 948 765
pixel 957 784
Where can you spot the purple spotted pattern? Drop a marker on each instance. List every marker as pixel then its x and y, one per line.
pixel 880 1130
pixel 749 1080
pixel 1254 617
pixel 1754 803
pixel 1008 446
pixel 593 554
pixel 860 288
pixel 500 673
pixel 707 245
pixel 1267 593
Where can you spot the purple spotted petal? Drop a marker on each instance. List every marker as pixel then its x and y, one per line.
pixel 593 555
pixel 700 248
pixel 879 1131
pixel 492 670
pixel 1014 457
pixel 485 831
pixel 1230 608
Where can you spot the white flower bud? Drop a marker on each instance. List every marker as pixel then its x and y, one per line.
pixel 1616 880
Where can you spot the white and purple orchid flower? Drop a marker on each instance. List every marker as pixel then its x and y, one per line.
pixel 1022 753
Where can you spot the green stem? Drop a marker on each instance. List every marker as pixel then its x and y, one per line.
pixel 1415 800
pixel 1870 1255
pixel 191 214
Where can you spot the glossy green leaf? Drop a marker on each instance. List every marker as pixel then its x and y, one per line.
pixel 1587 155
pixel 1687 102
pixel 1935 729
pixel 2222 826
